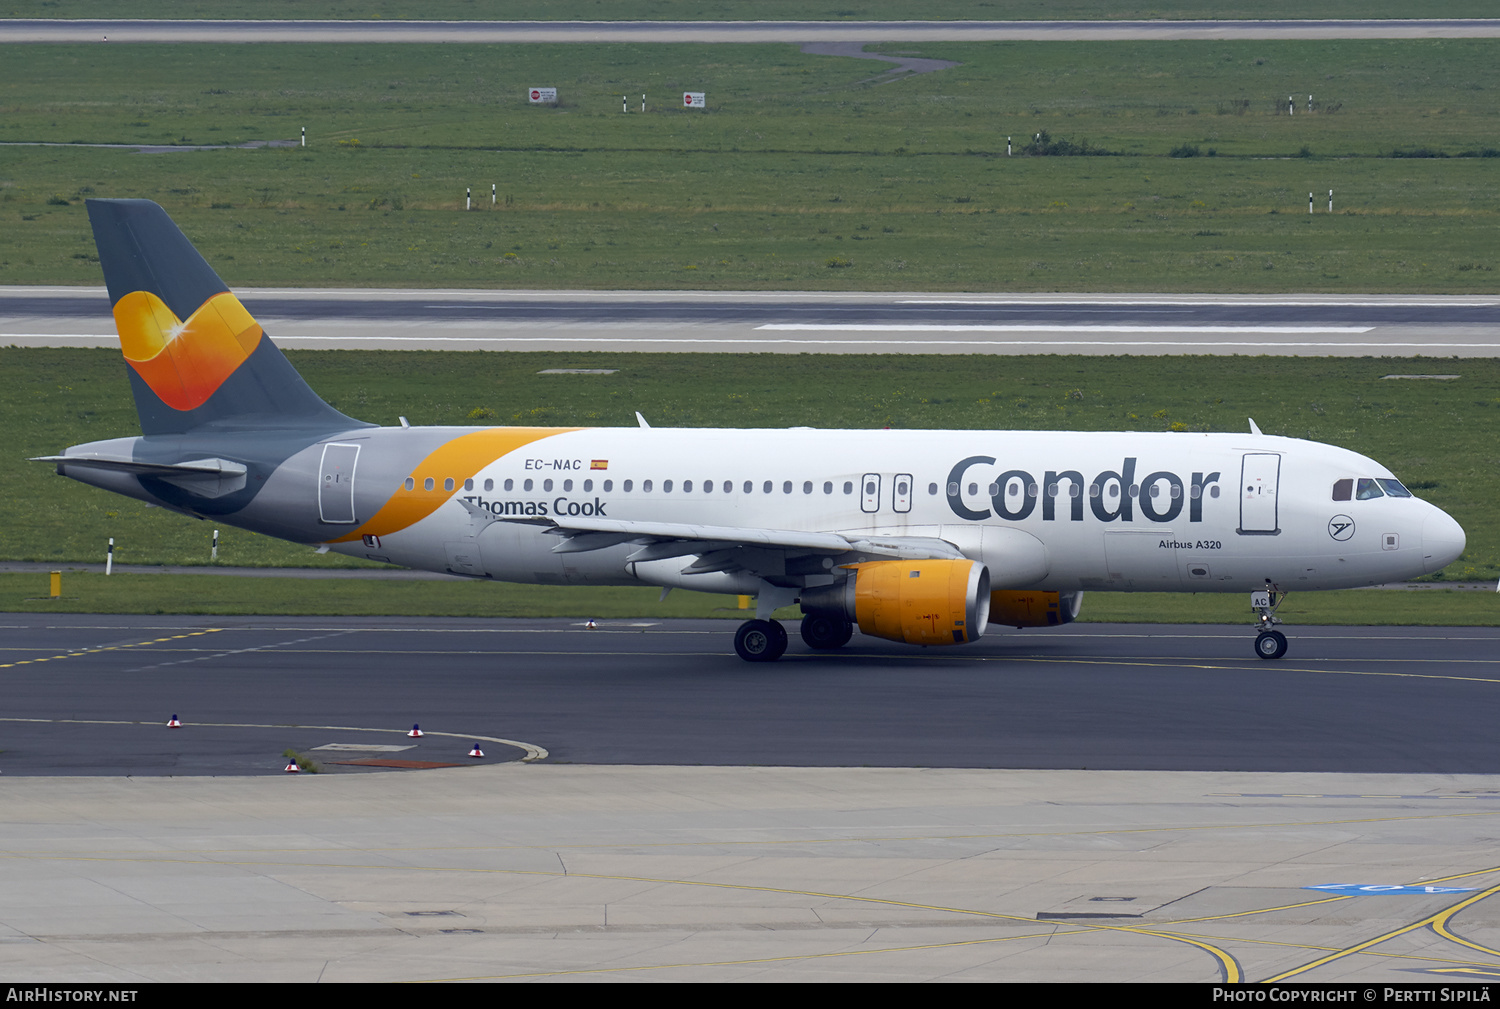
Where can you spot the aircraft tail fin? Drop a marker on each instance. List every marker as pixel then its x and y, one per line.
pixel 196 357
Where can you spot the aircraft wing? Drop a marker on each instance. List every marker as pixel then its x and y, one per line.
pixel 657 540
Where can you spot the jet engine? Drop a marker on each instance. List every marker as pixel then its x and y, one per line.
pixel 1034 609
pixel 925 602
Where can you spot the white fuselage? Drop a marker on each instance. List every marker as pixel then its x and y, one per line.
pixel 1050 510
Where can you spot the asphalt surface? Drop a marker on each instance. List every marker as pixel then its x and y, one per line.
pixel 41 30
pixel 785 322
pixel 91 695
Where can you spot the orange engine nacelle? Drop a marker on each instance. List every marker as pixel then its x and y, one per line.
pixel 927 602
pixel 1034 609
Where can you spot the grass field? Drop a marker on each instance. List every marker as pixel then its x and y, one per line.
pixel 1439 437
pixel 730 10
pixel 231 596
pixel 803 174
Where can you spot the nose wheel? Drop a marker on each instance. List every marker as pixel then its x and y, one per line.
pixel 1269 643
pixel 760 640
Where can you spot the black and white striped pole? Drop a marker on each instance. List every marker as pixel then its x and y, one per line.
pixel 109 558
pixel 213 554
pixel 468 197
pixel 304 136
pixel 492 196
pixel 1330 201
pixel 1309 203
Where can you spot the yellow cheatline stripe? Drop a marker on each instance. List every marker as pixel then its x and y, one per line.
pixel 110 648
pixel 1442 916
pixel 457 459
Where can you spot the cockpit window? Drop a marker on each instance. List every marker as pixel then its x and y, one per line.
pixel 1368 489
pixel 1394 488
pixel 1343 490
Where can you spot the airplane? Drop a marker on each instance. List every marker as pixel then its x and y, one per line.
pixel 923 537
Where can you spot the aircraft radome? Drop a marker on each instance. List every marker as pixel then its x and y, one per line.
pixel 925 537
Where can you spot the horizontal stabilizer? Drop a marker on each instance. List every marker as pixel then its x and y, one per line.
pixel 207 478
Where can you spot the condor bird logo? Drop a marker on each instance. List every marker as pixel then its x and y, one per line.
pixel 184 363
pixel 1341 527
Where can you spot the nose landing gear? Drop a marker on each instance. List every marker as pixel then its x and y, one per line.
pixel 1269 643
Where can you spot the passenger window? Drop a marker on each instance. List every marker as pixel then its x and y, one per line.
pixel 1343 489
pixel 567 485
pixel 410 484
pixel 469 483
pixel 588 485
pixel 807 486
pixel 547 484
pixel 527 485
pixel 767 488
pixel 448 483
pixel 1368 489
pixel 786 488
pixel 729 486
pixel 666 486
pixel 427 484
pixel 687 487
pixel 627 486
pixel 749 487
pixel 609 485
pixel 645 486
pixel 827 486
pixel 510 484
pixel 489 485
pixel 931 489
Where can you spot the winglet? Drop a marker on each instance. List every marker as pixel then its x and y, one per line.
pixel 641 420
pixel 1254 428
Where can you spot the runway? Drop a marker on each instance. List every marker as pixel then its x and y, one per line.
pixel 682 870
pixel 90 694
pixel 788 322
pixel 499 32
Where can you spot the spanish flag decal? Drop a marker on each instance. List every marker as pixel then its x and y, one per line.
pixel 184 363
pixel 599 464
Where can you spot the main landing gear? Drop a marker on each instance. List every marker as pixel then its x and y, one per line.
pixel 1269 643
pixel 760 640
pixel 825 633
pixel 765 640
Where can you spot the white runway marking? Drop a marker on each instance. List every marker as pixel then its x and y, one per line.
pixel 1041 327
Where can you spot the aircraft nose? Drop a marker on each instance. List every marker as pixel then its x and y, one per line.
pixel 1442 541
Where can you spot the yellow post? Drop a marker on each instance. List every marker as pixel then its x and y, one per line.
pixel 56 584
pixel 744 602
